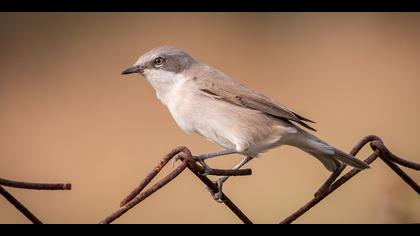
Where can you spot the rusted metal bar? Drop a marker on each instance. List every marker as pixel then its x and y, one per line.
pixel 222 172
pixel 29 215
pixel 151 175
pixel 197 170
pixel 188 155
pixel 323 195
pixel 25 185
pixel 136 196
pixel 327 184
pixel 34 186
pixel 238 212
pixel 387 157
pixel 404 162
pixel 381 151
pixel 115 215
pixel 371 158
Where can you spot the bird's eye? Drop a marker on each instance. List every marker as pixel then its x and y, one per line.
pixel 159 61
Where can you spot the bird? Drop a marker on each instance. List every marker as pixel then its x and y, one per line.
pixel 204 100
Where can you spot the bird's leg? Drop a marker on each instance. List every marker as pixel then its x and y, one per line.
pixel 237 167
pixel 203 157
pixel 218 196
pixel 215 154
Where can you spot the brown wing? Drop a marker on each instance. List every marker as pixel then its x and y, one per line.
pixel 221 87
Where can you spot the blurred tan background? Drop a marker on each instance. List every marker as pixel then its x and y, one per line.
pixel 67 115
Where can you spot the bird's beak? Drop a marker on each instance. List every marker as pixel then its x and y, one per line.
pixel 133 69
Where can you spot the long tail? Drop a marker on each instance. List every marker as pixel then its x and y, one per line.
pixel 327 154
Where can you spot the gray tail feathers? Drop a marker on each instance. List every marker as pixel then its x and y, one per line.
pixel 329 156
pixel 331 161
pixel 350 160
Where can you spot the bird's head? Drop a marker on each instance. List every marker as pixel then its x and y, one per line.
pixel 163 68
pixel 161 60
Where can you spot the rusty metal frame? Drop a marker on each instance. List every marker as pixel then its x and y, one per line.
pixel 26 185
pixel 184 154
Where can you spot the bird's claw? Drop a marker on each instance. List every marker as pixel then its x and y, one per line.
pixel 196 158
pixel 217 196
pixel 204 165
pixel 175 159
pixel 205 172
pixel 206 168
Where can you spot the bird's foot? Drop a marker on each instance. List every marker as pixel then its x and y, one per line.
pixel 206 167
pixel 199 159
pixel 175 159
pixel 217 195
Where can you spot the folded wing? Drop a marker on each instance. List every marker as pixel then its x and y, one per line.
pixel 221 87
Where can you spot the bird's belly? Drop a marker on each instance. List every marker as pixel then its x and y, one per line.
pixel 230 126
pixel 213 126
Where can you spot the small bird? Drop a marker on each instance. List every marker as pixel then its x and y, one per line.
pixel 204 100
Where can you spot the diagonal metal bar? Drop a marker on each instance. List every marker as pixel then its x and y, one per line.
pixel 118 213
pixel 166 159
pixel 238 212
pixel 333 177
pixel 381 151
pixel 323 195
pixel 151 175
pixel 137 196
pixel 197 170
pixel 387 157
pixel 19 206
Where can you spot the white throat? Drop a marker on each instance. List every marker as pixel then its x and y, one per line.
pixel 166 84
